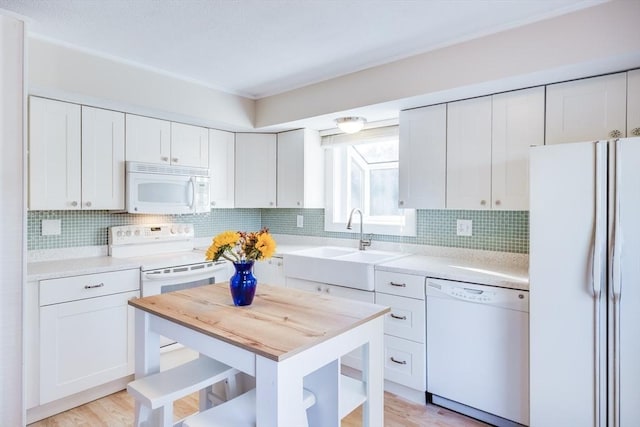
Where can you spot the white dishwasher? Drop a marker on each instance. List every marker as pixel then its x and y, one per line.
pixel 478 350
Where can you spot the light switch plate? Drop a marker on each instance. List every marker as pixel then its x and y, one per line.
pixel 51 227
pixel 300 221
pixel 464 227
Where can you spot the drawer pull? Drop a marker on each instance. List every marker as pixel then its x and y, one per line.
pixel 400 285
pixel 99 285
pixel 398 317
pixel 399 362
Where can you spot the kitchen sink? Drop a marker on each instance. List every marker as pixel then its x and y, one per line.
pixel 348 267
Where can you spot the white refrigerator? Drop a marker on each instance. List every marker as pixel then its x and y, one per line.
pixel 585 284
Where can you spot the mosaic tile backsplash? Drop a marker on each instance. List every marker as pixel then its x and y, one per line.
pixel 503 231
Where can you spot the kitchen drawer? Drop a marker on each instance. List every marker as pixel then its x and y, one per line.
pixel 73 288
pixel 405 362
pixel 406 319
pixel 405 285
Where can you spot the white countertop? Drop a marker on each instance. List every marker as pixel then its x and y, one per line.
pixel 77 267
pixel 506 275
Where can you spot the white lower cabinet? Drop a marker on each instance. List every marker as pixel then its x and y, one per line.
pixel 270 271
pixel 405 362
pixel 404 328
pixel 86 332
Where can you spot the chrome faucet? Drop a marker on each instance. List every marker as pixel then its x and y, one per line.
pixel 363 242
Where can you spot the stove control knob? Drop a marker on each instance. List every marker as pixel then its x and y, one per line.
pixel 137 232
pixel 173 230
pixel 187 230
pixel 119 233
pixel 128 233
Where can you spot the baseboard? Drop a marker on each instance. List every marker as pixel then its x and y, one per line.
pixel 52 408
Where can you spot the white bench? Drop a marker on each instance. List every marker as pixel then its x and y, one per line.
pixel 241 411
pixel 160 390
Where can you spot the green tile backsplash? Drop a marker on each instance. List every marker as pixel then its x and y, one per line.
pixel 503 231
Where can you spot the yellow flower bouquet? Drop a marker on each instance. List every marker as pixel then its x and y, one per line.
pixel 240 246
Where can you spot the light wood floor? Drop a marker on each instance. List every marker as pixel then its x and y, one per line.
pixel 116 410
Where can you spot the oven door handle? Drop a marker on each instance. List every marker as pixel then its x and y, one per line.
pixel 163 276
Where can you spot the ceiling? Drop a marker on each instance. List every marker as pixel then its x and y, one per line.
pixel 257 48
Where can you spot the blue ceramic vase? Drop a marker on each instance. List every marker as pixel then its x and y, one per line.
pixel 243 283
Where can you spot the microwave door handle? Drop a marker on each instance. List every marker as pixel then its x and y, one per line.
pixel 193 194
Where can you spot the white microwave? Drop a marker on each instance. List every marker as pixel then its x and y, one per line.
pixel 164 189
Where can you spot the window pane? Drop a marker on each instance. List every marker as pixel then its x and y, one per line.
pixel 357 183
pixel 379 152
pixel 384 192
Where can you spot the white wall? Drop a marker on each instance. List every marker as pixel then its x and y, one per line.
pixel 595 40
pixel 70 74
pixel 12 220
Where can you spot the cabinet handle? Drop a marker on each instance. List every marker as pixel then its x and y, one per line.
pixel 319 288
pixel 399 362
pixel 635 132
pixel 88 204
pixel 298 203
pixel 327 290
pixel 174 160
pixel 398 317
pixel 213 203
pixel 498 202
pixel 401 203
pixel 270 203
pixel 615 133
pixel 99 285
pixel 164 159
pixel 483 202
pixel 399 285
pixel 74 203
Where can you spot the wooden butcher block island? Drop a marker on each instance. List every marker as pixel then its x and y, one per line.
pixel 286 338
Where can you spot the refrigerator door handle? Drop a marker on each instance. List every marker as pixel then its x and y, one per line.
pixel 616 257
pixel 600 233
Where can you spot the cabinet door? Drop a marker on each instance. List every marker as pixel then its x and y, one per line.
pixel 54 155
pixel 290 169
pixel 423 157
pixel 633 103
pixel 84 344
pixel 270 272
pixel 148 140
pixel 300 182
pixel 255 170
pixel 222 146
pixel 189 145
pixel 102 159
pixel 469 154
pixel 518 123
pixel 586 110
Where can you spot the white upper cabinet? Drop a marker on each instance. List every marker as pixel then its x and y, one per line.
pixel 160 141
pixel 73 163
pixel 517 124
pixel 469 154
pixel 54 155
pixel 103 171
pixel 222 147
pixel 189 145
pixel 488 149
pixel 255 170
pixel 300 182
pixel 423 157
pixel 587 110
pixel 633 103
pixel 148 140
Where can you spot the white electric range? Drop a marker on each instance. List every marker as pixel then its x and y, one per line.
pixel 168 258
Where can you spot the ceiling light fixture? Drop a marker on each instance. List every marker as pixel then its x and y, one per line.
pixel 351 124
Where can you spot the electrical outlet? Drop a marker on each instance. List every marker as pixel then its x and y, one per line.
pixel 300 221
pixel 464 227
